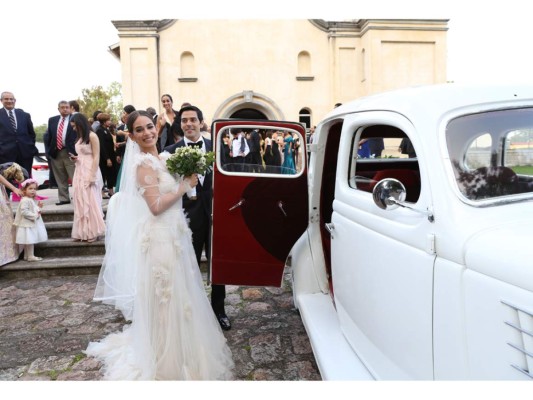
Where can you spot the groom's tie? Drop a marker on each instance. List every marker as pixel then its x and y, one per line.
pixel 197 144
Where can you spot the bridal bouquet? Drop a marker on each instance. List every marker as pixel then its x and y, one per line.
pixel 189 160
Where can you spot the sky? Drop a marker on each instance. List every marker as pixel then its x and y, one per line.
pixel 59 48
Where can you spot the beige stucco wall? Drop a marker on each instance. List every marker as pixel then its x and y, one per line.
pixel 254 63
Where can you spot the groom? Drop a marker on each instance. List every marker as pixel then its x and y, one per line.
pixel 199 210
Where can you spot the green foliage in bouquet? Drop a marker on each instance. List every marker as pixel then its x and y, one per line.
pixel 189 160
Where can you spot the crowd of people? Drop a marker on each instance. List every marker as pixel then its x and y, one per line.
pixel 266 151
pixel 155 234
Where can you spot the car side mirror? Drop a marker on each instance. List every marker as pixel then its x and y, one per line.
pixel 388 193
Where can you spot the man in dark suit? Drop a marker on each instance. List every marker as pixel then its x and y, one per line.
pixel 199 210
pixel 256 163
pixel 17 137
pixel 60 140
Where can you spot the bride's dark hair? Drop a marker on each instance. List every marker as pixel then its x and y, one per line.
pixel 133 117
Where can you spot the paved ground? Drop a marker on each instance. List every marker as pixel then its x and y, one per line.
pixel 45 323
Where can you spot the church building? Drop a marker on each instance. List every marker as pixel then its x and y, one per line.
pixel 284 69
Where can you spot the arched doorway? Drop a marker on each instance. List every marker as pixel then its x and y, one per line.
pixel 248 113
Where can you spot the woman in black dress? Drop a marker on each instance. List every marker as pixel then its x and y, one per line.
pixel 225 157
pixel 268 154
pixel 276 155
pixel 108 157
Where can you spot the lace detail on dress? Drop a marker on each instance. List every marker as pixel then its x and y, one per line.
pixel 162 282
pixel 148 160
pixel 155 184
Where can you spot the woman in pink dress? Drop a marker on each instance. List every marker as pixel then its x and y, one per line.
pixel 87 183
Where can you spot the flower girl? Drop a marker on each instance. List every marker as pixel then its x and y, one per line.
pixel 30 225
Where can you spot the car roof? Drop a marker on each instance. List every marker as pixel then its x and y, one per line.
pixel 436 99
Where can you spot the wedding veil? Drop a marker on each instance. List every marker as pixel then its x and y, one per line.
pixel 125 212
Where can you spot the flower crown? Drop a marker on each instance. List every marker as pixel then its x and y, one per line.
pixel 27 182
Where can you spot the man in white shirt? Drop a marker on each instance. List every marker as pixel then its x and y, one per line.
pixel 239 149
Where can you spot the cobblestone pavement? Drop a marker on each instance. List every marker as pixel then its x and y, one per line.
pixel 46 322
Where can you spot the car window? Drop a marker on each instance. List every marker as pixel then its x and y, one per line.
pixel 269 152
pixel 492 153
pixel 383 151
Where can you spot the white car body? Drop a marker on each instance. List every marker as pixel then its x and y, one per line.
pixel 441 291
pixel 407 265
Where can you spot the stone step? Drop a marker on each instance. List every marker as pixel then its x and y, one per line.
pixel 59 229
pixel 53 266
pixel 66 247
pixel 61 213
pixel 83 265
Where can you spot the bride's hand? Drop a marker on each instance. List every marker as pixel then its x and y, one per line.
pixel 192 180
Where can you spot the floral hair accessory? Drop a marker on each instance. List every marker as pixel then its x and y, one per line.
pixel 28 182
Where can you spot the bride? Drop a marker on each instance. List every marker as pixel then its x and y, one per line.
pixel 150 273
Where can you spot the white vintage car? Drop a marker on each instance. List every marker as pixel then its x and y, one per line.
pixel 409 233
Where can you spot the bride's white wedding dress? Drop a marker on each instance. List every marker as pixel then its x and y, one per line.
pixel 174 334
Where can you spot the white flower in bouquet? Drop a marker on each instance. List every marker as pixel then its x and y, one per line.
pixel 188 160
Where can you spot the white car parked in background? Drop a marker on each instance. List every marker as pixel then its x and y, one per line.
pixel 40 167
pixel 414 261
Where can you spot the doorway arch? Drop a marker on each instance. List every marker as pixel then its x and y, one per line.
pixel 248 113
pixel 257 105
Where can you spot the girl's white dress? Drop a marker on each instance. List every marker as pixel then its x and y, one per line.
pixel 30 225
pixel 174 334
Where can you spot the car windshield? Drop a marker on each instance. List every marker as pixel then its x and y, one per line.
pixel 492 153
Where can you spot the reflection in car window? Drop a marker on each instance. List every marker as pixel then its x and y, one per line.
pixel 382 151
pixel 249 150
pixel 492 153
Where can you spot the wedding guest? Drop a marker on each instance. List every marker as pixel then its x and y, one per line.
pixel 225 153
pixel 59 144
pixel 151 275
pixel 17 135
pixel 288 166
pixel 87 183
pixel 268 155
pixel 108 157
pixel 30 225
pixel 74 106
pixel 239 149
pixel 165 120
pixel 95 124
pixel 254 143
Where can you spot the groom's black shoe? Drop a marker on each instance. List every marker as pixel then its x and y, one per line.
pixel 223 320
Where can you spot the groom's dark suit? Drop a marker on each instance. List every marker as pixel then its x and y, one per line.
pixel 199 214
pixel 17 145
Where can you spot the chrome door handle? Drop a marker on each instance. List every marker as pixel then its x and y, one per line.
pixel 280 205
pixel 240 203
pixel 330 228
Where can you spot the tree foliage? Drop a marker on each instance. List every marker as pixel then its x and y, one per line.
pixel 107 100
pixel 39 131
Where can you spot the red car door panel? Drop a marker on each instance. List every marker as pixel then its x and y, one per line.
pixel 256 217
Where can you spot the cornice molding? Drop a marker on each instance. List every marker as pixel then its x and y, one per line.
pixel 143 25
pixel 358 27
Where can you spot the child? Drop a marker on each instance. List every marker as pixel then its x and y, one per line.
pixel 30 225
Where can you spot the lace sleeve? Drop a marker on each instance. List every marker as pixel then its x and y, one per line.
pixel 149 189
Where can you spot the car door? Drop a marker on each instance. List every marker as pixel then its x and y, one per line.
pixel 382 260
pixel 259 210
